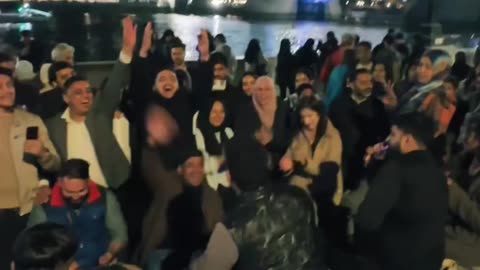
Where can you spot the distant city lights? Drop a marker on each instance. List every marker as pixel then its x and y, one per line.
pixel 220 3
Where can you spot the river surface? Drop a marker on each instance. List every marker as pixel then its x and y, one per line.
pixel 97 38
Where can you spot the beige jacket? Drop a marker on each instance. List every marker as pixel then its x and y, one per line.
pixel 27 174
pixel 329 148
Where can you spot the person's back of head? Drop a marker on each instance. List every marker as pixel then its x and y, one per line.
pixel 45 246
pixel 220 38
pixel 253 51
pixel 348 40
pixel 247 164
pixel 63 52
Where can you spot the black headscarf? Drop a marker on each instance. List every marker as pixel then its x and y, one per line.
pixel 212 145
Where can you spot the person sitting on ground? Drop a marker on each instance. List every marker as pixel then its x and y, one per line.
pixel 273 226
pixel 317 143
pixel 211 136
pixel 265 120
pixel 191 215
pixel 90 211
pixel 45 246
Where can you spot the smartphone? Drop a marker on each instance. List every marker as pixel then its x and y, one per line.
pixel 32 133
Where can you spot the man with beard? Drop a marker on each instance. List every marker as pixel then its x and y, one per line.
pixel 407 202
pixel 91 212
pixel 362 121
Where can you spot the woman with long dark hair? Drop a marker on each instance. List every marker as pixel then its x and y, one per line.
pixel 285 68
pixel 315 153
pixel 254 60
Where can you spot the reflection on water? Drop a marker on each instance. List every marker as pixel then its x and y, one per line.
pixel 99 39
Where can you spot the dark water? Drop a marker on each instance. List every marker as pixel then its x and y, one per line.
pixel 97 37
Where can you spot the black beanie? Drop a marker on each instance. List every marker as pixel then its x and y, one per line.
pixel 55 67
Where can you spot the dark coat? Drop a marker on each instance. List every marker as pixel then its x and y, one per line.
pixel 99 122
pixel 360 126
pixel 166 185
pixel 274 229
pixel 407 207
pixel 247 122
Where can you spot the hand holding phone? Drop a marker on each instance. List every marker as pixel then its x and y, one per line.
pixel 33 146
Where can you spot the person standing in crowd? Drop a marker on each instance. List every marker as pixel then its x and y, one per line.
pixel 265 120
pixel 177 53
pixel 363 53
pixel 45 246
pixel 254 60
pixel 211 136
pixel 336 58
pixel 191 215
pixel 338 79
pixel 460 69
pixel 409 189
pixel 91 212
pixel 85 131
pixel 26 147
pixel 362 120
pixel 327 48
pixel 306 55
pixel 221 46
pixel 317 143
pixel 30 49
pixel 388 56
pixel 304 90
pixel 273 226
pixel 25 95
pixel 433 68
pixel 62 52
pixel 222 88
pixel 50 103
pixel 303 76
pixel 285 68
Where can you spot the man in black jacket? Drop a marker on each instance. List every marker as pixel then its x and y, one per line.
pixel 407 203
pixel 362 121
pixel 272 226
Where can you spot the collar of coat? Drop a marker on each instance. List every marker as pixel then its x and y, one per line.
pixel 57 200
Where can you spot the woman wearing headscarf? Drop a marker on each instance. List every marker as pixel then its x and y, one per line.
pixel 285 68
pixel 211 135
pixel 433 68
pixel 254 60
pixel 265 120
pixel 338 78
pixel 314 153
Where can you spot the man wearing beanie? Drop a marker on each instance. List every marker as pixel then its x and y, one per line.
pixel 271 224
pixel 26 148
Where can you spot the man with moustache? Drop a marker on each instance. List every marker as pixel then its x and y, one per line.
pixel 362 121
pixel 84 129
pixel 22 154
pixel 91 212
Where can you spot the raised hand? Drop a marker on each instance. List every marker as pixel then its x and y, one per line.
pixel 147 40
pixel 129 35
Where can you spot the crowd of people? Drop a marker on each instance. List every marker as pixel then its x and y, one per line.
pixel 353 157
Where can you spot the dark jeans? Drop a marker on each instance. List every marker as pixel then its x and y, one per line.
pixel 11 224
